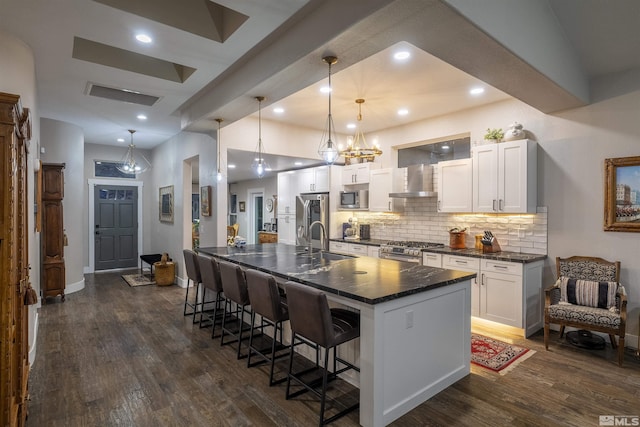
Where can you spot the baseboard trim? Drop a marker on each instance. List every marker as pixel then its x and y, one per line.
pixel 74 287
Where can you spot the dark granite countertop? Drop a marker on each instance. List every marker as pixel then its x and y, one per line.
pixel 519 257
pixel 365 279
pixel 369 242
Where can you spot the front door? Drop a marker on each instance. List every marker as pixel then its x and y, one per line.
pixel 116 227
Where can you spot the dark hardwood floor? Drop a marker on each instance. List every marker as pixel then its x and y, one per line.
pixel 116 355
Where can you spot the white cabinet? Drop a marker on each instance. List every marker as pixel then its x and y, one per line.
pixel 373 251
pixel 358 173
pixel 313 180
pixel 505 177
pixel 472 265
pixel 430 259
pixel 286 193
pixel 455 187
pixel 381 183
pixel 287 229
pixel 508 293
pixel 353 249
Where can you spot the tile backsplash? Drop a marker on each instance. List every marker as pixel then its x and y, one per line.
pixel 420 221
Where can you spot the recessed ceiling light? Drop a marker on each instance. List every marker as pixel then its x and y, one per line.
pixel 351 126
pixel 403 112
pixel 278 110
pixel 142 117
pixel 120 139
pixel 325 89
pixel 476 91
pixel 298 163
pixel 143 38
pixel 402 55
pixel 231 166
pixel 445 147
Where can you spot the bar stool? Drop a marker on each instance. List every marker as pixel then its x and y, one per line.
pixel 210 275
pixel 193 275
pixel 267 302
pixel 234 286
pixel 311 318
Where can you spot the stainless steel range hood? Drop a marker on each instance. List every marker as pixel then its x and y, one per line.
pixel 419 183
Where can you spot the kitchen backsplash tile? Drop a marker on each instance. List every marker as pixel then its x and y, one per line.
pixel 421 221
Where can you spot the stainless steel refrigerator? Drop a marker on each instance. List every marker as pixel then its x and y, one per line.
pixel 311 208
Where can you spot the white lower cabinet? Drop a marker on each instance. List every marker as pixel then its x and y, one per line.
pixel 430 259
pixel 287 229
pixel 505 292
pixel 353 249
pixel 471 265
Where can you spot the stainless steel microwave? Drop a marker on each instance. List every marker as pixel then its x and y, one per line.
pixel 358 199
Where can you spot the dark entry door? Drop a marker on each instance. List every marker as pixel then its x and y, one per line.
pixel 116 227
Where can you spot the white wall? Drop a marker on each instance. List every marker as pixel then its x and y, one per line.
pixel 17 69
pixel 64 143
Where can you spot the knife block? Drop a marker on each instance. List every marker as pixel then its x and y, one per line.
pixel 493 247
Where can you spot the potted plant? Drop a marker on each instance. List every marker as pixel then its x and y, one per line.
pixel 494 135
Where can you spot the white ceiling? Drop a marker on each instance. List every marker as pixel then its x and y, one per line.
pixel 603 35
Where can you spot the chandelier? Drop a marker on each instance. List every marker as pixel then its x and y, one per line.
pixel 328 149
pixel 219 175
pixel 357 150
pixel 260 165
pixel 133 162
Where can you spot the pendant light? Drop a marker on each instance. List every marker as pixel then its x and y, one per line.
pixel 328 149
pixel 133 162
pixel 260 165
pixel 219 175
pixel 357 146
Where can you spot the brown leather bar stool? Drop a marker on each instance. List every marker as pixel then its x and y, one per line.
pixel 272 307
pixel 211 281
pixel 193 275
pixel 234 286
pixel 311 318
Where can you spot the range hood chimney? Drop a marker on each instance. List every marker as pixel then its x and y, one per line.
pixel 419 183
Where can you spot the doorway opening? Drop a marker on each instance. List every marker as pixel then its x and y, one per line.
pixel 256 214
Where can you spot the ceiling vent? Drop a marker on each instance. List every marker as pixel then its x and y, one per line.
pixel 122 95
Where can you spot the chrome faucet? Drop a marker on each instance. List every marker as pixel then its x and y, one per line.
pixel 323 242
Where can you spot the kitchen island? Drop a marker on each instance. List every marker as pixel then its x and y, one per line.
pixel 415 321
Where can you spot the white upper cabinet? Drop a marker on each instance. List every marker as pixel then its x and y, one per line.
pixel 505 177
pixel 313 180
pixel 382 182
pixel 455 186
pixel 358 173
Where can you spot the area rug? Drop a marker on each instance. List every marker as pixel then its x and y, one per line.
pixel 138 280
pixel 496 355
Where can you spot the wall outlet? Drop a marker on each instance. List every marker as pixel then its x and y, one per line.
pixel 408 317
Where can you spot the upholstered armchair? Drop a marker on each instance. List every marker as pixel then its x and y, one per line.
pixel 587 295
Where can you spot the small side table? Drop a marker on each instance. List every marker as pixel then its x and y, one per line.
pixel 149 259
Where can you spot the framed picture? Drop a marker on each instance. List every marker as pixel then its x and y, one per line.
pixel 166 204
pixel 241 206
pixel 205 200
pixel 622 194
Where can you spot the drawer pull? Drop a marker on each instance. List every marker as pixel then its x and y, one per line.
pixel 461 262
pixel 504 267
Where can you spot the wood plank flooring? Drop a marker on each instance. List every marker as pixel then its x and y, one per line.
pixel 115 355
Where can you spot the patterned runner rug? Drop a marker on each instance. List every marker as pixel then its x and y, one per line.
pixel 496 355
pixel 138 280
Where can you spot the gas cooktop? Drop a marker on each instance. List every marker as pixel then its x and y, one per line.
pixel 414 244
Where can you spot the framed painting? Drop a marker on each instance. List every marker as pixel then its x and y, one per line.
pixel 241 206
pixel 622 194
pixel 166 204
pixel 205 200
